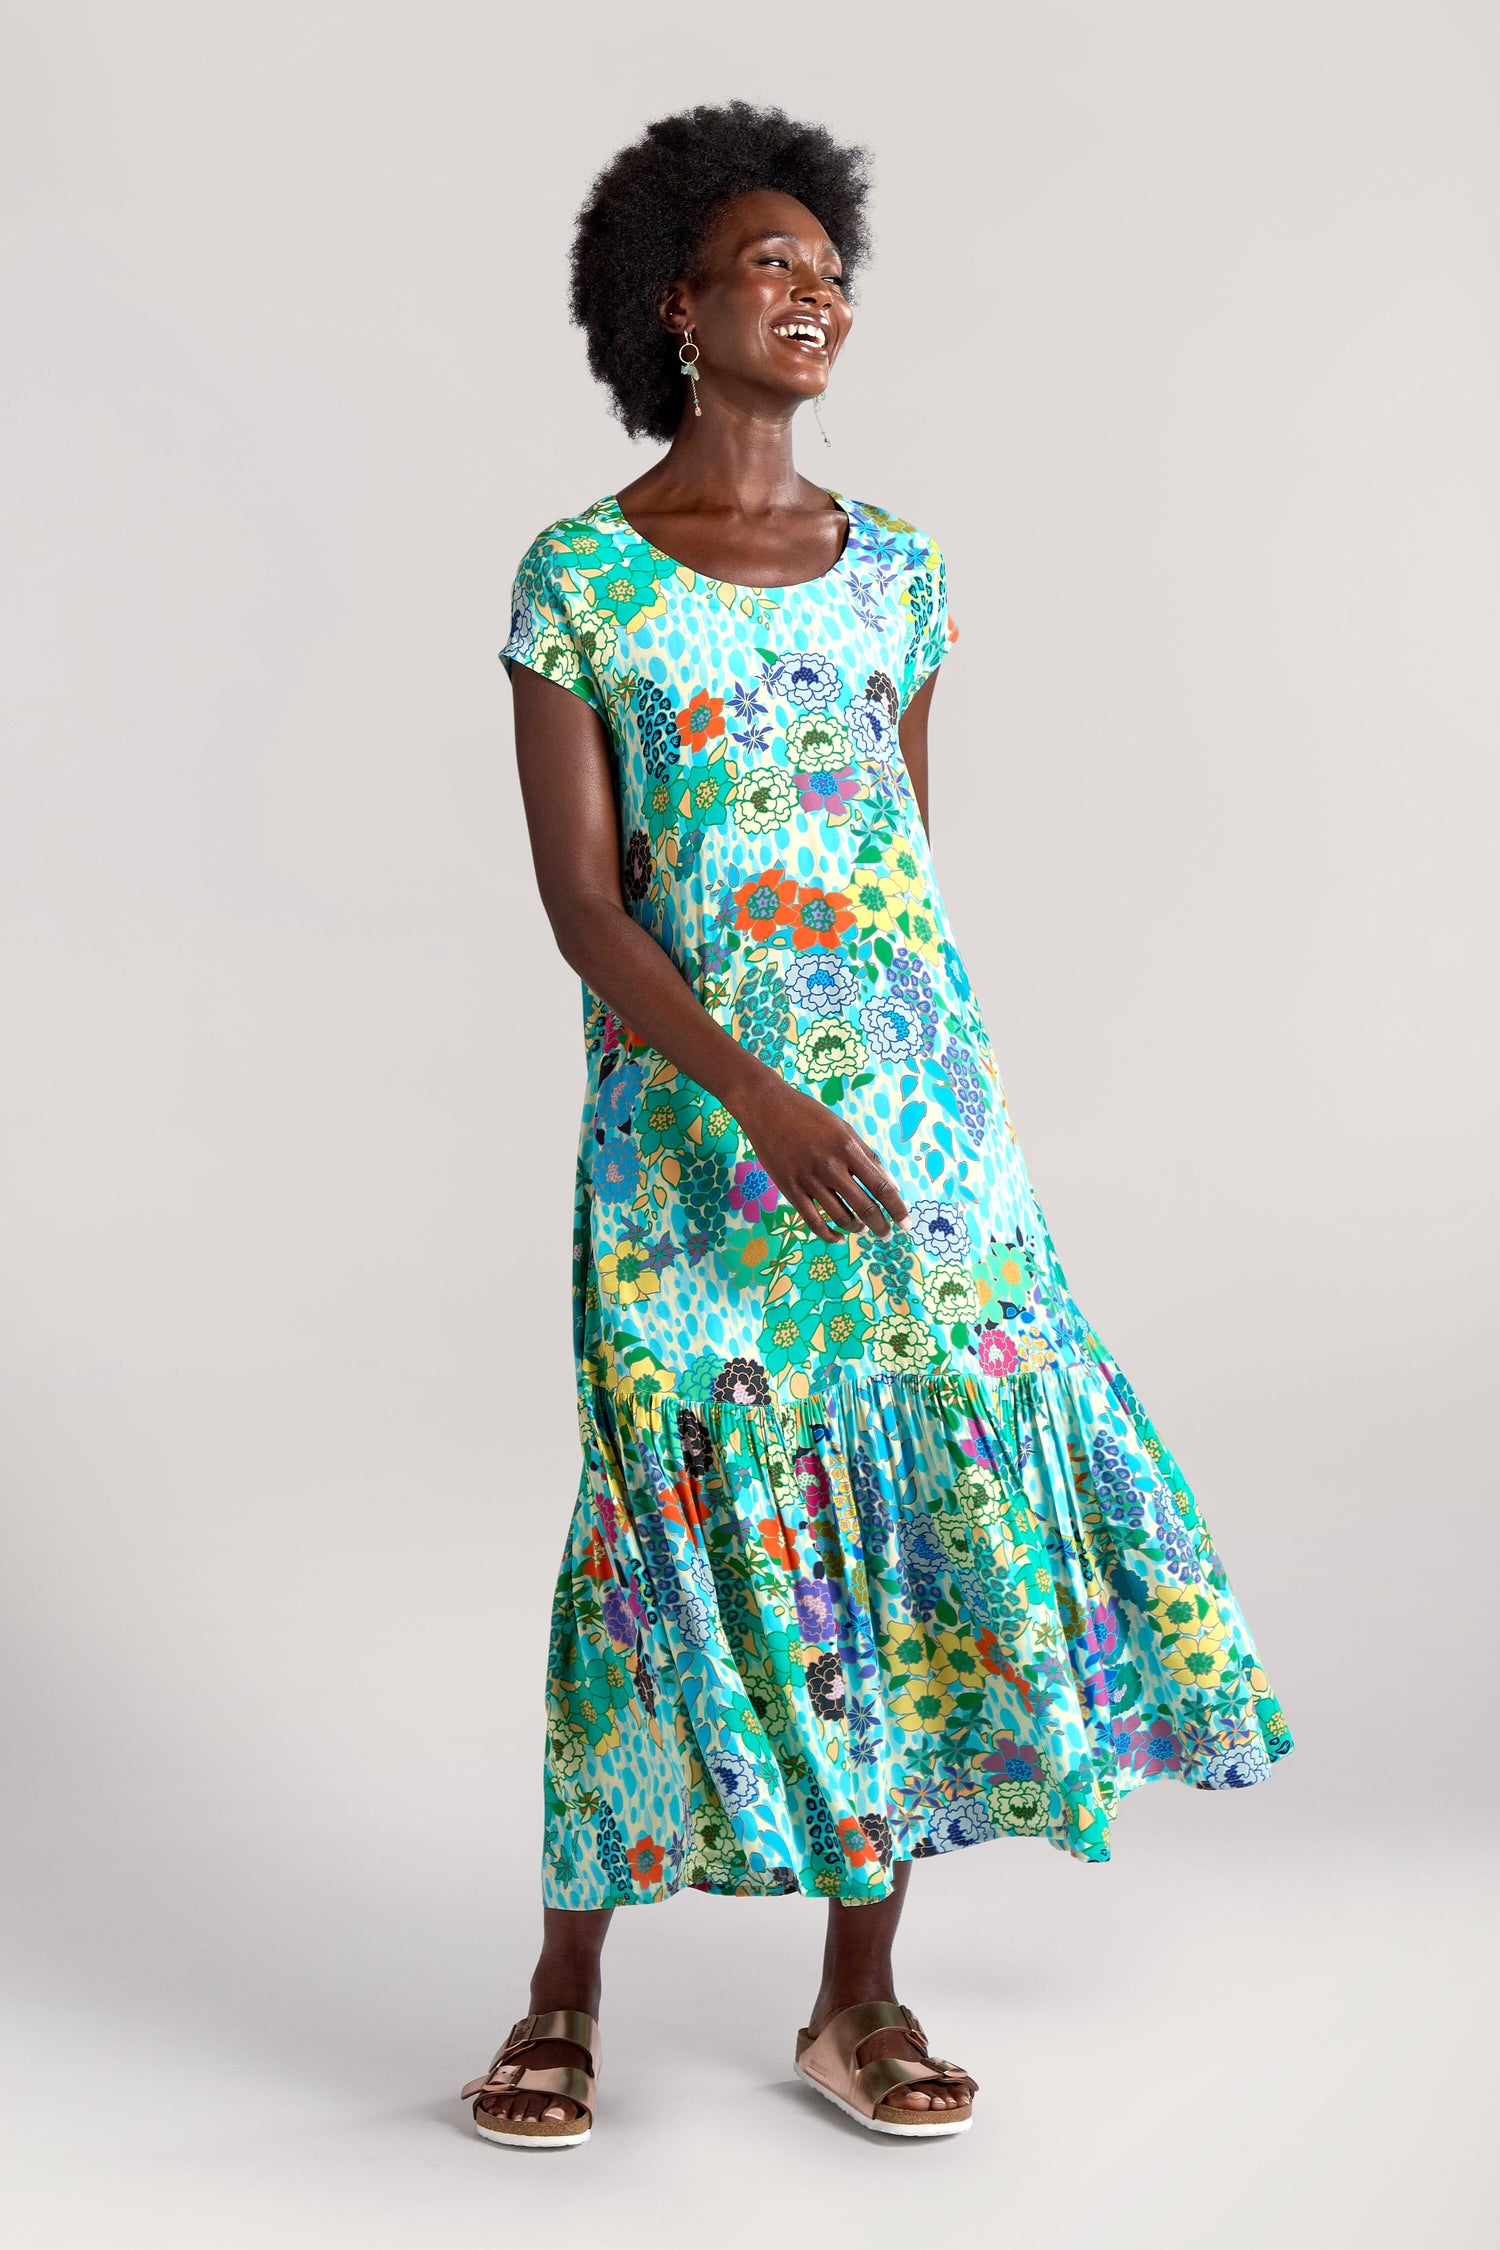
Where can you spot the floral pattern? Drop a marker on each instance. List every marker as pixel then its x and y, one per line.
pixel 875 1553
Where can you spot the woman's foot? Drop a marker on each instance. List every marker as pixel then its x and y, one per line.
pixel 929 2097
pixel 541 2054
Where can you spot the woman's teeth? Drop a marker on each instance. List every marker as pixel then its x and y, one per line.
pixel 800 331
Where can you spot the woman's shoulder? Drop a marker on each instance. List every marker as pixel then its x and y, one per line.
pixel 569 543
pixel 895 534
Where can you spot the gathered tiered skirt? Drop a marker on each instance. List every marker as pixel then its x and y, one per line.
pixel 791 1646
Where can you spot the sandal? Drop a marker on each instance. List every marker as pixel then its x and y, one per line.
pixel 831 2064
pixel 508 2075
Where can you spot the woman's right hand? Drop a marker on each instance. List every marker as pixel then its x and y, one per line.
pixel 819 1163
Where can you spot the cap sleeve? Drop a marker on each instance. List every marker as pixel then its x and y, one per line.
pixel 549 622
pixel 932 630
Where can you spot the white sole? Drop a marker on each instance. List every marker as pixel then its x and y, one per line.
pixel 932 2132
pixel 535 2140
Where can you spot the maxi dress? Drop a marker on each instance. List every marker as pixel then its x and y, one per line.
pixel 875 1552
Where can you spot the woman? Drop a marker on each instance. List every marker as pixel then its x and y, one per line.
pixel 875 1553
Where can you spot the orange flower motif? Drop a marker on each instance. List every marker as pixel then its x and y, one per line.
pixel 818 917
pixel 778 1542
pixel 644 1859
pixel 683 1502
pixel 765 902
pixel 700 719
pixel 991 1654
pixel 858 1849
pixel 596 1563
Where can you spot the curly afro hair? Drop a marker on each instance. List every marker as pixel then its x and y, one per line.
pixel 648 215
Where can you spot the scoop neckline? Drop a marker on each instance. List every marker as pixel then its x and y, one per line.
pixel 799 585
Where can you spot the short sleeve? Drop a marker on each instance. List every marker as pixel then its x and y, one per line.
pixel 932 630
pixel 549 622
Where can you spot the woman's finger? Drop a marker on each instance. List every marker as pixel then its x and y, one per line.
pixel 873 1176
pixel 863 1203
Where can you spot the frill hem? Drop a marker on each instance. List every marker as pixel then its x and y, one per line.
pixel 795 1642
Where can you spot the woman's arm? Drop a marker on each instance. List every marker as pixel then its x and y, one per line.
pixel 819 1162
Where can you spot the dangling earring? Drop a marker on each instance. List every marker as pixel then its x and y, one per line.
pixel 690 366
pixel 818 414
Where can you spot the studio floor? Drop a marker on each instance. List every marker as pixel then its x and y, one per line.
pixel 1246 2029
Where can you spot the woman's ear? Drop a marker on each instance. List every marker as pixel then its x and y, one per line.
pixel 672 311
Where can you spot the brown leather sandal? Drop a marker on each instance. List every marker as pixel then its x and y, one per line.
pixel 507 2074
pixel 831 2064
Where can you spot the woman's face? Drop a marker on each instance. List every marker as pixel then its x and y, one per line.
pixel 767 310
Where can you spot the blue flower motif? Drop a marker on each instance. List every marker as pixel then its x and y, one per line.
pixel 736 1777
pixel 965 1821
pixel 806 679
pixel 940 1230
pixel 874 736
pixel 815 1618
pixel 820 984
pixel 893 1030
pixel 744 703
pixel 863 599
pixel 617 1171
pixel 1236 1769
pixel 618 1096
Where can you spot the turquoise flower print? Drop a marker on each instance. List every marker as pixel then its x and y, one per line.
pixel 752 1192
pixel 830 794
pixel 807 680
pixel 821 984
pixel 819 742
pixel 875 1554
pixel 625 586
pixel 939 1229
pixel 893 1030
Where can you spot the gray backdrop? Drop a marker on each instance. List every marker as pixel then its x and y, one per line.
pixel 1182 339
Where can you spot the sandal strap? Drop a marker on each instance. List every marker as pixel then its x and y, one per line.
pixel 513 2078
pixel 833 2058
pixel 881 2077
pixel 508 2074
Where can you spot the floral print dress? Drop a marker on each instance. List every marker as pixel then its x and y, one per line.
pixel 875 1552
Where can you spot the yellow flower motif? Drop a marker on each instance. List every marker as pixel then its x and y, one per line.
pixel 865 892
pixel 1195 1639
pixel 1199 1659
pixel 902 882
pixel 921 1706
pixel 625 1274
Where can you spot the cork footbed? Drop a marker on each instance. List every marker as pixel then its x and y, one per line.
pixel 531 2128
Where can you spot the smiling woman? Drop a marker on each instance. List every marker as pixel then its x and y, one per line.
pixel 875 1553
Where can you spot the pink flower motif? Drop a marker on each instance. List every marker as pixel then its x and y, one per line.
pixel 829 793
pixel 997 1353
pixel 977 1441
pixel 812 1481
pixel 753 1192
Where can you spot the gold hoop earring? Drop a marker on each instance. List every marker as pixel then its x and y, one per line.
pixel 690 366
